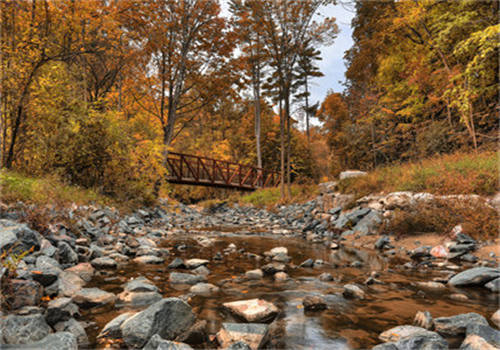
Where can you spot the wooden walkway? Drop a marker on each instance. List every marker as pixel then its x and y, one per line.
pixel 202 171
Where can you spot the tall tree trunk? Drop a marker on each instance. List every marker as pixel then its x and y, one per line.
pixel 282 147
pixel 288 147
pixel 307 112
pixel 257 123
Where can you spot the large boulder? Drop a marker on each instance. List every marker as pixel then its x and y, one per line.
pixel 91 297
pixel 24 329
pixel 25 293
pixel 84 270
pixel 56 341
pixel 60 310
pixel 396 333
pixel 69 284
pixel 67 256
pixel 347 174
pixel 252 334
pixel 168 318
pixel 457 325
pixel 74 327
pixel 18 236
pixel 479 336
pixel 253 310
pixel 185 278
pixel 474 277
pixel 112 329
pixel 416 341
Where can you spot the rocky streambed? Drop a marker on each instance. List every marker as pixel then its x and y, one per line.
pixel 176 277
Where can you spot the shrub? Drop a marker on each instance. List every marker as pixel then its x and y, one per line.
pixel 477 219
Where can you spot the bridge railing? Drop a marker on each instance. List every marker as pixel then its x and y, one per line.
pixel 186 168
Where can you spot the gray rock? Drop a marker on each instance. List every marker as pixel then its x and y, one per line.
pixel 112 328
pixel 314 303
pixel 74 327
pixel 239 345
pixel 91 297
pixel 398 332
pixel 382 242
pixel 168 318
pixel 202 271
pixel 139 298
pixel 158 343
pixel 254 274
pixel 488 334
pixel 272 268
pixel 347 174
pixel 177 263
pixel 194 263
pixel 24 293
pixel 493 285
pixel 418 341
pixel 185 278
pixel 352 291
pixel 18 236
pixel 457 325
pixel 46 270
pixel 369 224
pixel 474 276
pixel 196 334
pixel 67 256
pixel 140 284
pixel 495 318
pixel 253 334
pixel 24 329
pixel 104 263
pixel 84 270
pixel 307 263
pixel 60 310
pixel 204 289
pixel 148 259
pixel 56 341
pixel 69 283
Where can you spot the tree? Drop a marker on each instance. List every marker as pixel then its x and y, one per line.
pixel 184 50
pixel 286 25
pixel 307 69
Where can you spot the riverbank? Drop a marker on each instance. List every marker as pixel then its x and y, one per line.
pixel 95 274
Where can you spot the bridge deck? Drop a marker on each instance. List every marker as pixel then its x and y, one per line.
pixel 202 171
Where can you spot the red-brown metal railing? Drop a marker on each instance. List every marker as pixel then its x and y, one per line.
pixel 196 170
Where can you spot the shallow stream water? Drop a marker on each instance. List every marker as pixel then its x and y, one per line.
pixel 345 324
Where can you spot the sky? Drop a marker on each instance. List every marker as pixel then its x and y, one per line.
pixel 332 64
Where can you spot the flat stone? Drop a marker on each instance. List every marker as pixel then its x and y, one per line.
pixel 148 259
pixel 457 325
pixel 256 274
pixel 194 263
pixel 396 333
pixel 313 303
pixel 140 284
pixel 432 286
pixel 204 289
pixel 112 328
pixel 253 310
pixel 19 236
pixel 104 263
pixel 307 263
pixel 475 276
pixel 84 270
pixel 24 329
pixel 138 298
pixel 168 318
pixel 185 278
pixel 91 297
pixel 253 334
pixel 278 250
pixel 201 270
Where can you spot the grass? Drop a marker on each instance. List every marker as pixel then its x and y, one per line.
pixel 448 174
pixel 267 197
pixel 46 191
